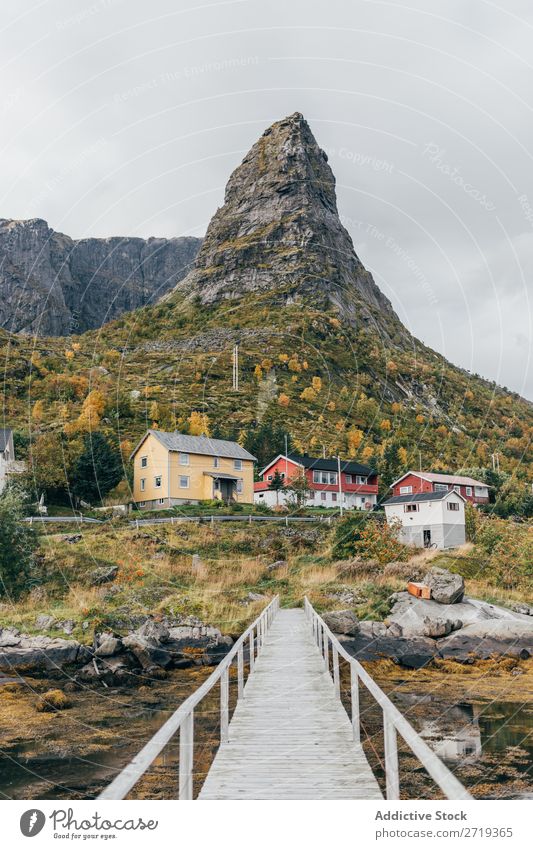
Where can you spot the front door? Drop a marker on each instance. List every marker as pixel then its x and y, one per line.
pixel 427 538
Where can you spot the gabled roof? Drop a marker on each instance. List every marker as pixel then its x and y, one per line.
pixel 323 464
pixel 5 434
pixel 197 445
pixel 422 496
pixel 439 477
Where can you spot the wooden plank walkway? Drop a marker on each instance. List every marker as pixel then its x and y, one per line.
pixel 290 737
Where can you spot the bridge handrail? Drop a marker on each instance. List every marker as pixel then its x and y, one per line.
pixel 393 721
pixel 183 718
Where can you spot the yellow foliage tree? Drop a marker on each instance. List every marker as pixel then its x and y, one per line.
pixel 308 394
pixel 198 424
pixel 37 412
pixel 420 419
pixel 283 400
pixel 258 372
pixel 385 424
pixel 354 438
pixel 316 383
pixel 154 413
pixel 396 408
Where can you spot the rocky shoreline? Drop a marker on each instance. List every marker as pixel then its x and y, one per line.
pixel 153 648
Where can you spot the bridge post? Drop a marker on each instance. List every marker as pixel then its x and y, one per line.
pixel 391 759
pixel 224 707
pixel 186 756
pixel 326 648
pixel 252 658
pixel 354 688
pixel 336 677
pixel 240 673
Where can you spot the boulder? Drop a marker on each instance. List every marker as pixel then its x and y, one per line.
pixel 278 564
pixel 108 647
pixel 72 538
pixel 435 627
pixel 113 671
pixel 44 622
pixel 34 653
pixel 342 622
pixel 103 575
pixel 488 639
pixel 446 587
pixel 522 608
pixel 156 631
pixel 9 637
pixel 67 626
pixel 413 653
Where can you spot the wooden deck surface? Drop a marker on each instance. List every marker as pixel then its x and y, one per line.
pixel 289 737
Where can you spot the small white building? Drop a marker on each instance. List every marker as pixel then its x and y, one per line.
pixel 7 455
pixel 429 519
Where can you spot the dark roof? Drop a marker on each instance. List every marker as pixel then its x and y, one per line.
pixel 5 433
pixel 331 465
pixel 421 496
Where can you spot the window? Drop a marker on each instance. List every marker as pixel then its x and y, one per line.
pixel 184 482
pixel 144 462
pixel 157 481
pixel 453 505
pixel 440 487
pixel 216 462
pixel 237 464
pixel 323 496
pixel 333 496
pixel 481 490
pixel 361 479
pixel 142 503
pixel 160 500
pixel 469 490
pixel 325 477
pixel 143 484
pixel 405 490
pixel 239 486
pixel 184 459
pixel 269 477
pixel 348 478
pixel 410 508
pixel 456 488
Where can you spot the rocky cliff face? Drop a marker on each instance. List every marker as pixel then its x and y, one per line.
pixel 53 285
pixel 279 231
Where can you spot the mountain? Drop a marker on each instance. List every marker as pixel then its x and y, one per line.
pixel 53 285
pixel 322 355
pixel 279 231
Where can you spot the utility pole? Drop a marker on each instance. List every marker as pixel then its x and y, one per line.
pixel 236 368
pixel 340 484
pixel 286 460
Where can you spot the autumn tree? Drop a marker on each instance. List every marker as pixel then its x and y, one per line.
pixel 198 424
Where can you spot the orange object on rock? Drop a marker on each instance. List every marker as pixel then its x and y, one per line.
pixel 418 590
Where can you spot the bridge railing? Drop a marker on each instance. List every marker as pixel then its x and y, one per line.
pixel 182 719
pixel 394 722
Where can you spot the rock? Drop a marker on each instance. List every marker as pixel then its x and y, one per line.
pixel 278 564
pixel 34 653
pixel 44 622
pixel 152 630
pixel 436 627
pixel 487 639
pixel 53 700
pixel 411 613
pixel 113 671
pixel 9 637
pixel 69 286
pixel 446 587
pixel 103 575
pixel 279 214
pixel 72 538
pixel 413 653
pixel 254 597
pixel 395 630
pixel 522 608
pixel 342 622
pixel 345 595
pixel 67 626
pixel 108 647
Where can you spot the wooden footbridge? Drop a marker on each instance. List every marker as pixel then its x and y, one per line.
pixel 290 736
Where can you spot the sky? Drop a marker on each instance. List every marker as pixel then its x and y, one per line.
pixel 121 117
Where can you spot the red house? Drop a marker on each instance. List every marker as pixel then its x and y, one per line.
pixel 474 491
pixel 357 487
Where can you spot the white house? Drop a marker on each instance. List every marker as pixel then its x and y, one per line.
pixel 429 519
pixel 7 455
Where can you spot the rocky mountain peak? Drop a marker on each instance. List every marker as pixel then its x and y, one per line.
pixel 279 231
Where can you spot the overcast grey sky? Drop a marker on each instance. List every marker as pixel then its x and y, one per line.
pixel 122 117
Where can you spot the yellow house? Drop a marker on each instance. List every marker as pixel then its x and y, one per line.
pixel 174 468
